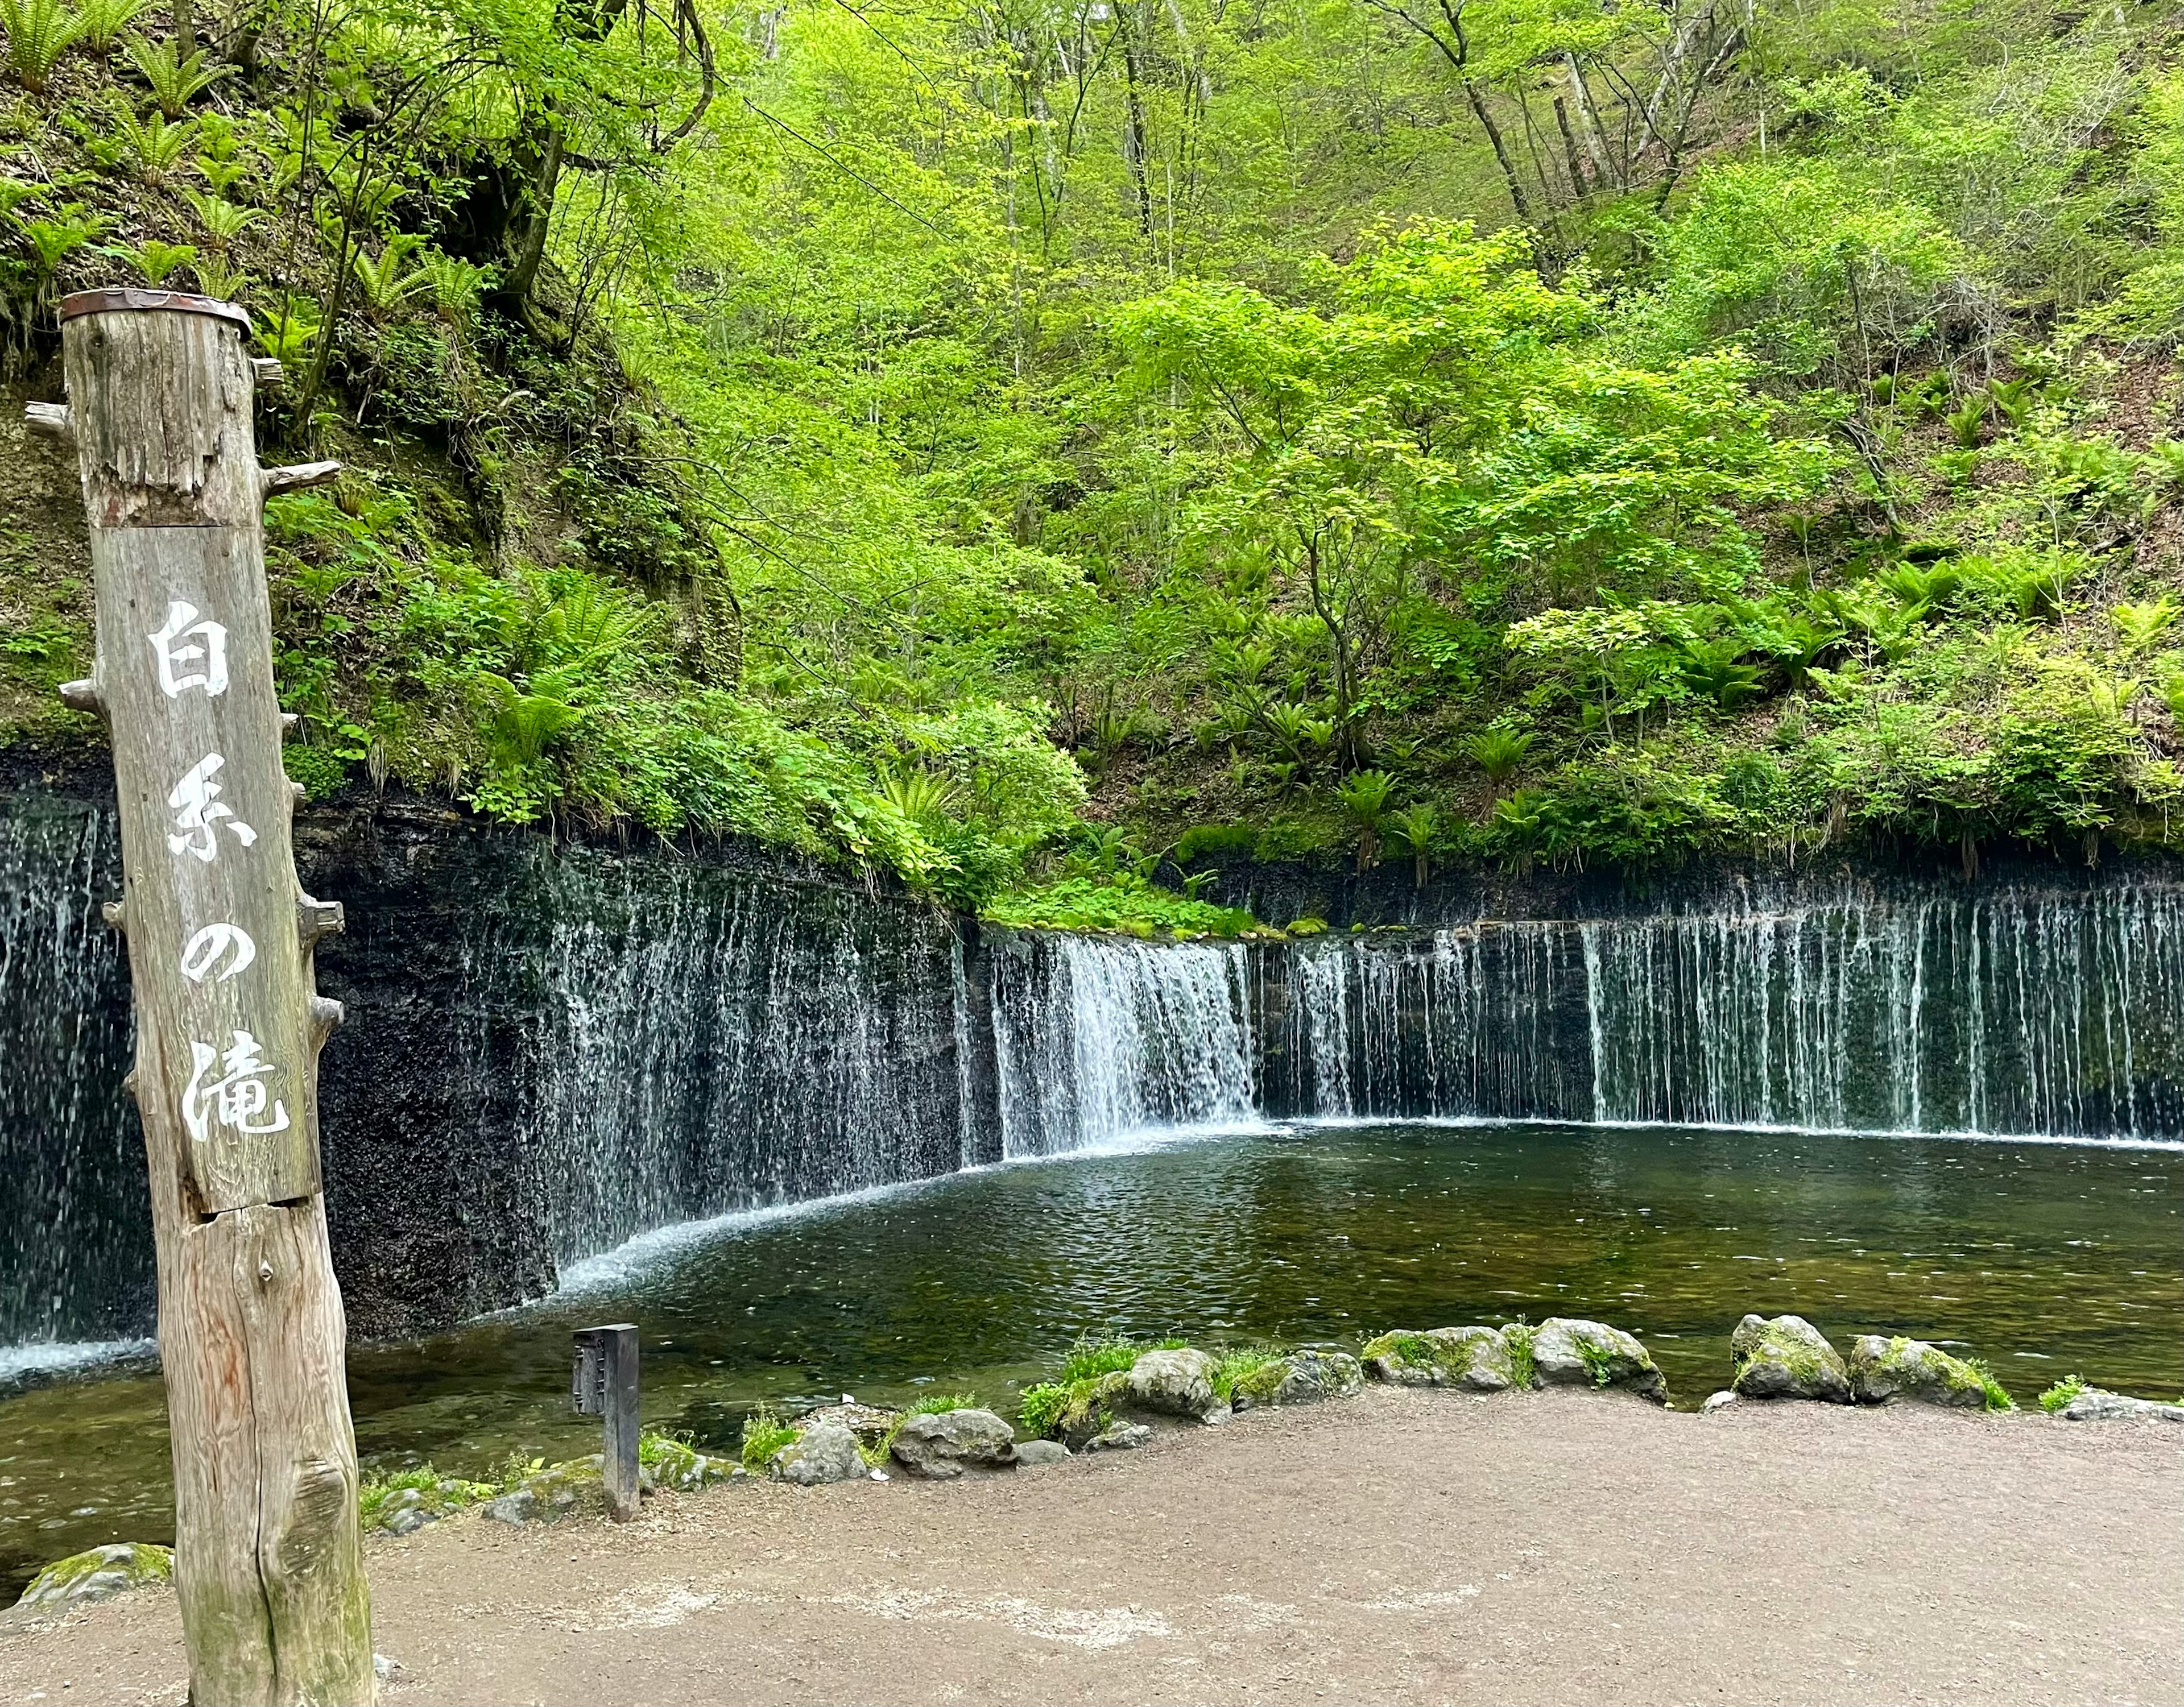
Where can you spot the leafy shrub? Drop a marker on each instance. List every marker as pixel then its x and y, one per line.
pixel 765 1433
pixel 2059 1397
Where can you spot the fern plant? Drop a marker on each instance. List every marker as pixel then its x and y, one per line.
pixel 454 284
pixel 152 146
pixel 2139 625
pixel 223 221
pixel 218 277
pixel 1498 753
pixel 390 281
pixel 175 82
pixel 103 21
pixel 1364 797
pixel 53 240
pixel 156 260
pixel 1416 826
pixel 288 337
pixel 919 795
pixel 39 31
pixel 1965 421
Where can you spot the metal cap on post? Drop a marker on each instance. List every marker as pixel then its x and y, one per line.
pixel 604 1383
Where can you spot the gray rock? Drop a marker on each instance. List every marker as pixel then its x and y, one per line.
pixel 408 1520
pixel 1123 1436
pixel 99 1574
pixel 1786 1357
pixel 943 1444
pixel 870 1423
pixel 1303 1377
pixel 1033 1454
pixel 1568 1351
pixel 1718 1401
pixel 558 1491
pixel 1882 1370
pixel 825 1452
pixel 679 1465
pixel 1476 1359
pixel 1173 1383
pixel 2097 1405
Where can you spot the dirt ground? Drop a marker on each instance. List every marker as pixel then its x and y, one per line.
pixel 1401 1547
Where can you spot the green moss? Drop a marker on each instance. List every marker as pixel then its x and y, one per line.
pixel 932 1404
pixel 137 1562
pixel 765 1433
pixel 1414 1350
pixel 1039 1412
pixel 2060 1395
pixel 1255 1371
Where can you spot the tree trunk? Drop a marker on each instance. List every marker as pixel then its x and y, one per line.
pixel 268 1565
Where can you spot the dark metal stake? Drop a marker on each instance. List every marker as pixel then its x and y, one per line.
pixel 605 1383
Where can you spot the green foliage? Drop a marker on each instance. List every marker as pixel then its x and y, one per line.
pixel 1997 1397
pixel 39 31
pixel 1125 903
pixel 765 1433
pixel 103 21
pixel 2059 1397
pixel 174 81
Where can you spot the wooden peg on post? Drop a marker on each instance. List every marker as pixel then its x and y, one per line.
pixel 268 1565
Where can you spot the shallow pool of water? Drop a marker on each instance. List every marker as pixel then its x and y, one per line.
pixel 2042 1258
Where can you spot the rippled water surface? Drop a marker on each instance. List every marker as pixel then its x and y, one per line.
pixel 2044 1258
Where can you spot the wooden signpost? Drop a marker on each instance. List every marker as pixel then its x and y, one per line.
pixel 269 1563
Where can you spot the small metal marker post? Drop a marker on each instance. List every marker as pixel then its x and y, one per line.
pixel 605 1384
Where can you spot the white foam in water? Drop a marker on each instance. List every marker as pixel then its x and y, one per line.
pixel 53 1358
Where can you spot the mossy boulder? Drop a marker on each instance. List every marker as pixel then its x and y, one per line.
pixel 823 1452
pixel 1882 1370
pixel 1302 1377
pixel 560 1491
pixel 1475 1358
pixel 99 1574
pixel 872 1424
pixel 1786 1357
pixel 666 1463
pixel 941 1445
pixel 1090 1407
pixel 1568 1351
pixel 1173 1383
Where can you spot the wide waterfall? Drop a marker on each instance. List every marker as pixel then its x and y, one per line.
pixel 553 1049
pixel 2028 1010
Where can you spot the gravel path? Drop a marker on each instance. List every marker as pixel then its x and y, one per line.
pixel 1405 1546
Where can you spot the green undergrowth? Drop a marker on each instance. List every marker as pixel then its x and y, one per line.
pixel 1125 905
pixel 1043 1407
pixel 766 1431
pixel 2059 1397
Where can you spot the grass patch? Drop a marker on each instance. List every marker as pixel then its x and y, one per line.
pixel 766 1431
pixel 1997 1397
pixel 2060 1395
pixel 1042 1406
pixel 1522 1366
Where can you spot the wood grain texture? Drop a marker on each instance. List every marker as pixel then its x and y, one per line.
pixel 269 1562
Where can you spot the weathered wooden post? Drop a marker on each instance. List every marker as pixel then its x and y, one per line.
pixel 605 1383
pixel 269 1563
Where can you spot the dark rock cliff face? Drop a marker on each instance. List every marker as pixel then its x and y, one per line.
pixel 547 1050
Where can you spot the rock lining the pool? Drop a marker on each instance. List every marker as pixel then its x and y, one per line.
pixel 1127 1394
